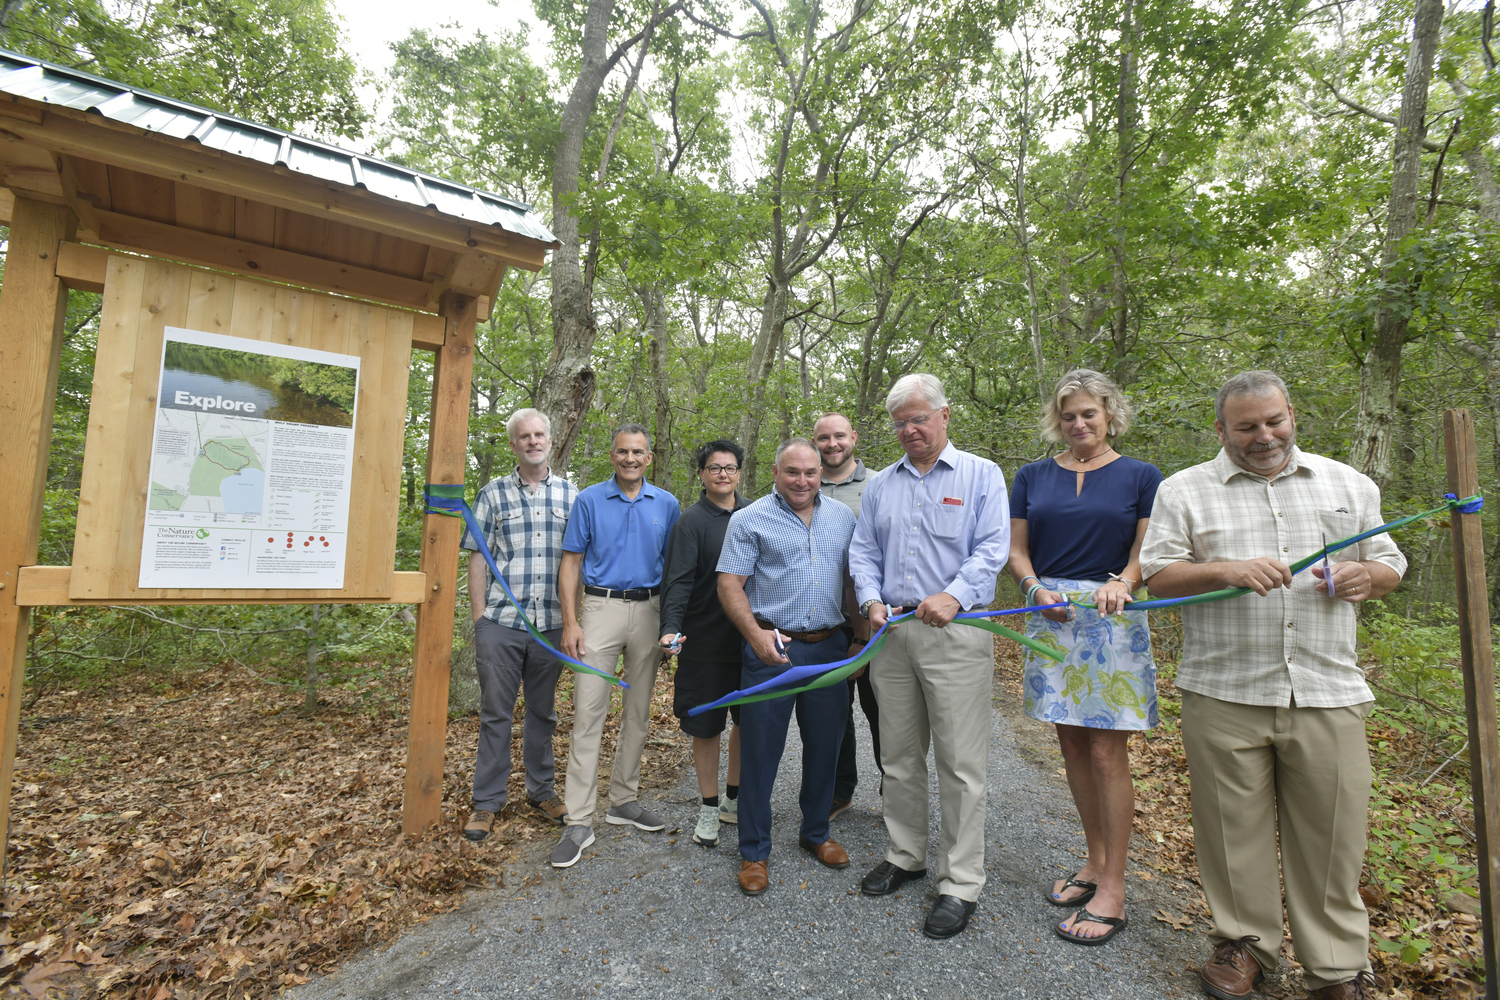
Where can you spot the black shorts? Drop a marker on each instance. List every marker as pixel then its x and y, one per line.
pixel 698 683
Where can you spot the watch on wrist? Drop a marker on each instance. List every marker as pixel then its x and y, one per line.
pixel 864 609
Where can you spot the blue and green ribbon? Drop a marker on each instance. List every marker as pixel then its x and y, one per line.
pixel 821 675
pixel 448 500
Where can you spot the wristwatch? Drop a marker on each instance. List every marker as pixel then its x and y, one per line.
pixel 864 609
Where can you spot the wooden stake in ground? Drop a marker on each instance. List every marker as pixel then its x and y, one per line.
pixel 32 310
pixel 1479 678
pixel 447 458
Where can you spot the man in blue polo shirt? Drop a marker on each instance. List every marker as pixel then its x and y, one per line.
pixel 781 581
pixel 613 547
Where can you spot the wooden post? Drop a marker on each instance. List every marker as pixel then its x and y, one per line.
pixel 447 458
pixel 33 308
pixel 1479 678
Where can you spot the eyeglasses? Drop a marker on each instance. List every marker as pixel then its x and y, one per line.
pixel 919 421
pixel 714 470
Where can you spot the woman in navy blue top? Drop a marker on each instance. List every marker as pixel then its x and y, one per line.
pixel 1077 521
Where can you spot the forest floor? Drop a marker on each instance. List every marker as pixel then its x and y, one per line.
pixel 199 837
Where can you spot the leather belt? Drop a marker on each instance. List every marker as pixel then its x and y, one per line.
pixel 799 636
pixel 639 594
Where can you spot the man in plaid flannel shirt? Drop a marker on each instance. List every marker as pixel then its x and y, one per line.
pixel 523 515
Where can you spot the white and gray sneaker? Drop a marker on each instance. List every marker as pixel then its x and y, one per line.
pixel 707 833
pixel 636 815
pixel 570 848
pixel 729 810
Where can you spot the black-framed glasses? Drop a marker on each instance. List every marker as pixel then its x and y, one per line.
pixel 714 470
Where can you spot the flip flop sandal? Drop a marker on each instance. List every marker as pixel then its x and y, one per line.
pixel 1080 900
pixel 1116 925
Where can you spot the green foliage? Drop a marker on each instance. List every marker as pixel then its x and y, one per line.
pixel 279 62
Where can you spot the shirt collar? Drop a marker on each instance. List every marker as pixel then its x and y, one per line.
pixel 612 489
pixel 714 508
pixel 1226 470
pixel 546 480
pixel 857 476
pixel 948 456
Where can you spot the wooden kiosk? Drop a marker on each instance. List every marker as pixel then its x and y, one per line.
pixel 182 217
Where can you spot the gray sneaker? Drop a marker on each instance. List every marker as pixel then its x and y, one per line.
pixel 636 815
pixel 707 833
pixel 570 848
pixel 729 810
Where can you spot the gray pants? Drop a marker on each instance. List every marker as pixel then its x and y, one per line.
pixel 508 660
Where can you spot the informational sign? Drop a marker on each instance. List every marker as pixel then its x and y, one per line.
pixel 251 460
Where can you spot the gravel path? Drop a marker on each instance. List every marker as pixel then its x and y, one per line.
pixel 655 916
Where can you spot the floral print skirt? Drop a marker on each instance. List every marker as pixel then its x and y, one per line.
pixel 1107 680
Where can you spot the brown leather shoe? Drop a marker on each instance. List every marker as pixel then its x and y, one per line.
pixel 553 809
pixel 1233 972
pixel 828 852
pixel 479 825
pixel 1361 987
pixel 753 877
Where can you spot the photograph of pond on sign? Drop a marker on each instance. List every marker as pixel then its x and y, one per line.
pixel 220 380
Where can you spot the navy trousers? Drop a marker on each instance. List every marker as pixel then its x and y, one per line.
pixel 821 716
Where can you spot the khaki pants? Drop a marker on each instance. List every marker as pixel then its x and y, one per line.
pixel 934 686
pixel 1302 773
pixel 612 626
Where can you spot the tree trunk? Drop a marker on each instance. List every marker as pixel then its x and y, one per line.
pixel 1380 370
pixel 661 435
pixel 1124 156
pixel 762 362
pixel 314 652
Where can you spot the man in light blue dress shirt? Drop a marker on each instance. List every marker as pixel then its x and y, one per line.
pixel 933 535
pixel 781 581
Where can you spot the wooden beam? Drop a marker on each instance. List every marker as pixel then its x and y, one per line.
pixel 47 586
pixel 428 331
pixel 254 260
pixel 33 307
pixel 447 457
pixel 78 134
pixel 1479 679
pixel 82 267
pixel 7 205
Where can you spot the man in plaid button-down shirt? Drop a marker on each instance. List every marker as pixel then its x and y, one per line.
pixel 1274 701
pixel 523 515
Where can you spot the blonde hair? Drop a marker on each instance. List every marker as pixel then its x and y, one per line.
pixel 1116 407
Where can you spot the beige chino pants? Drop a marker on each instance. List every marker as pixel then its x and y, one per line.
pixel 1302 773
pixel 933 687
pixel 612 626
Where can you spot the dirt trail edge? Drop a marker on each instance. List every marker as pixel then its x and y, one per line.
pixel 655 915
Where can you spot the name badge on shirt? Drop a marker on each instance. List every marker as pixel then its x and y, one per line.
pixel 953 501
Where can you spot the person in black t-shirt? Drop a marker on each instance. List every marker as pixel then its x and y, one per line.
pixel 694 624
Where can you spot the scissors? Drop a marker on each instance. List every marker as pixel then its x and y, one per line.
pixel 675 646
pixel 1327 571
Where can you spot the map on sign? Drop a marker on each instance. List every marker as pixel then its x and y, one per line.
pixel 207 462
pixel 252 458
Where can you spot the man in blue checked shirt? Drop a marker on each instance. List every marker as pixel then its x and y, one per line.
pixel 523 515
pixel 614 547
pixel 934 533
pixel 781 581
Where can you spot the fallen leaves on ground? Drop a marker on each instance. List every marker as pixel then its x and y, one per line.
pixel 212 842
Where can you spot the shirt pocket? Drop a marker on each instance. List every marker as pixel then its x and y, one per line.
pixel 946 520
pixel 1337 525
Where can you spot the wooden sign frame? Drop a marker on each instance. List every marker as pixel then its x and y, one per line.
pixel 142 297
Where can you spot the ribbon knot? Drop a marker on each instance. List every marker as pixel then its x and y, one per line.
pixel 1468 505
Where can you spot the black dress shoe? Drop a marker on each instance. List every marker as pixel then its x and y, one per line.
pixel 948 916
pixel 886 878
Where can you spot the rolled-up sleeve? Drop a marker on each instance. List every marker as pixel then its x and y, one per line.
pixel 866 555
pixel 974 584
pixel 1168 537
pixel 1382 547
